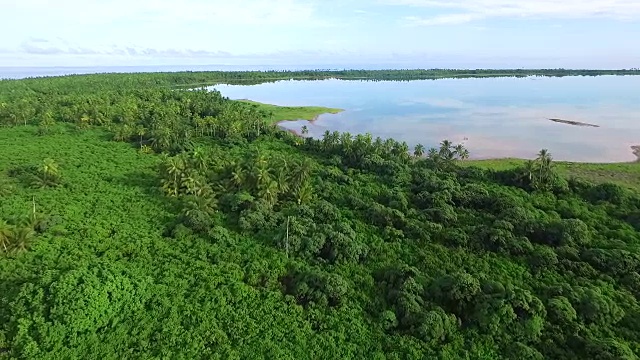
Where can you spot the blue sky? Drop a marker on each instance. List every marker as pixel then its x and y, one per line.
pixel 410 33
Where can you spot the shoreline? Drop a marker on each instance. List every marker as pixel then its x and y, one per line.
pixel 635 149
pixel 278 114
pixel 311 114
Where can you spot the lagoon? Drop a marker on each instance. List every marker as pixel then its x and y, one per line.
pixel 493 117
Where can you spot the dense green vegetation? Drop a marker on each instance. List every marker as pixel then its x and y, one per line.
pixel 623 174
pixel 191 78
pixel 145 222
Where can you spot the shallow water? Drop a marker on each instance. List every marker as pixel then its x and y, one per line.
pixel 494 118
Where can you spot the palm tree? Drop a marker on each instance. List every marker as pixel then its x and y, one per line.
pixel 49 168
pixel 368 139
pixel 282 179
pixel 433 154
pixel 301 172
pixel 445 150
pixel 5 189
pixel 201 124
pixel 6 234
pixel 211 124
pixel 280 174
pixel 161 139
pixel 269 192
pixel 461 152
pixel 388 145
pixel 378 144
pixel 304 193
pixel 195 204
pixel 261 177
pixel 326 140
pixel 47 175
pixel 199 157
pixel 345 140
pixel 335 138
pixel 22 239
pixel 401 149
pixel 545 159
pixel 238 176
pixel 529 169
pixel 83 121
pixel 47 121
pixel 121 133
pixel 194 184
pixel 172 172
pixel 141 131
pixel 418 151
pixel 175 167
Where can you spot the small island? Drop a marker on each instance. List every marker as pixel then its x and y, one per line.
pixel 575 123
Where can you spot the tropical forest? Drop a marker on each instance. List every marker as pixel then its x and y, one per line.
pixel 143 216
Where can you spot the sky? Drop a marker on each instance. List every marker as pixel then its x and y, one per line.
pixel 401 33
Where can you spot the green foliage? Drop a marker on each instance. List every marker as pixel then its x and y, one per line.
pixel 274 114
pixel 204 232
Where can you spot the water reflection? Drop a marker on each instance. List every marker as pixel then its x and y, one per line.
pixel 498 117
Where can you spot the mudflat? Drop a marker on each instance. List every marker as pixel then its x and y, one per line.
pixel 575 123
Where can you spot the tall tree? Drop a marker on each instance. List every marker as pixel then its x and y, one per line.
pixel 445 151
pixel 461 152
pixel 141 131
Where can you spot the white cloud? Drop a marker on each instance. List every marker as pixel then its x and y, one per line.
pixel 92 12
pixel 470 10
pixel 453 19
pixel 169 27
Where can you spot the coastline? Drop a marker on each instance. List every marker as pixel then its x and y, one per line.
pixel 278 114
pixel 625 173
pixel 634 148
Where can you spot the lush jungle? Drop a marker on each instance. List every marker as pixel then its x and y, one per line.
pixel 138 220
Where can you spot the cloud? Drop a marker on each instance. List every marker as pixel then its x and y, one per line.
pixel 453 19
pixel 246 12
pixel 462 11
pixel 38 40
pixel 57 46
pixel 40 46
pixel 238 26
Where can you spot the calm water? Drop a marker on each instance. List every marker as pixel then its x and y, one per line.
pixel 494 118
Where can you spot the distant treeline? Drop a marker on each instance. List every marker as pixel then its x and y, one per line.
pixel 253 77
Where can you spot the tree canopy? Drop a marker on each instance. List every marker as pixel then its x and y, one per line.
pixel 143 221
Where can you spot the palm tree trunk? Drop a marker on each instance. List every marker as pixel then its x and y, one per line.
pixel 287 238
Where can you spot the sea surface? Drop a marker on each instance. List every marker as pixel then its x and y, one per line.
pixel 493 118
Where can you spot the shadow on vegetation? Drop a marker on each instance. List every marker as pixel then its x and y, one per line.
pixel 150 186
